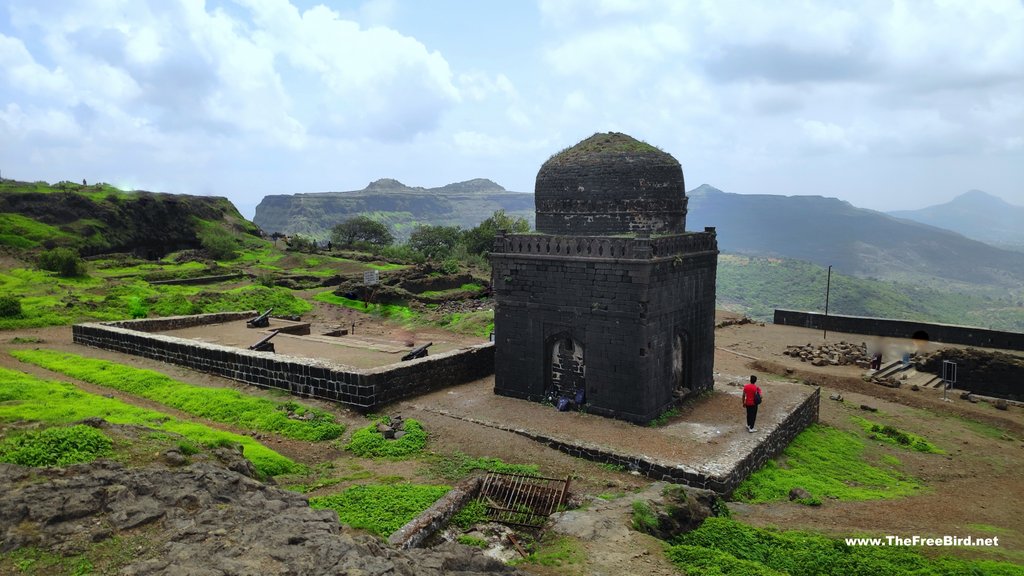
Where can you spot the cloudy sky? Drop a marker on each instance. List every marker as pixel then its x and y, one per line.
pixel 889 105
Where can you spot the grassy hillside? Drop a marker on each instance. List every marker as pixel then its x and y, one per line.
pixel 100 219
pixel 756 286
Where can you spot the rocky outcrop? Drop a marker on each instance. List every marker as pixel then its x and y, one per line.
pixel 206 519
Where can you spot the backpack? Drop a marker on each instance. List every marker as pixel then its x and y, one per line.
pixel 757 397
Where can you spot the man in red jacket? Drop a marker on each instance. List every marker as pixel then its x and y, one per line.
pixel 751 398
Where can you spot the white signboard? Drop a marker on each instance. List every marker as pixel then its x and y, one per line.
pixel 371 277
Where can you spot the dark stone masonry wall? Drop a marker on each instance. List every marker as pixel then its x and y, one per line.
pixel 948 333
pixel 625 311
pixel 363 390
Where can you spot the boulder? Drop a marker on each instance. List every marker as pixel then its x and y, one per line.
pixel 798 493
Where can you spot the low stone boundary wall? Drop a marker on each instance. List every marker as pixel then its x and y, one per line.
pixel 197 280
pixel 948 333
pixel 437 516
pixel 364 390
pixel 774 443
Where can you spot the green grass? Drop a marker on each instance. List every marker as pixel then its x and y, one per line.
pixel 56 446
pixel 664 417
pixel 472 541
pixel 476 323
pixel 827 462
pixel 560 552
pixel 22 232
pixel 27 398
pixel 252 298
pixel 458 465
pixel 368 442
pixel 385 266
pixel 643 517
pixel 217 404
pixel 896 437
pixel 392 311
pixel 722 546
pixel 380 508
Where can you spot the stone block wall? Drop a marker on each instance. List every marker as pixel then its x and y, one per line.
pixel 948 333
pixel 361 389
pixel 805 414
pixel 626 311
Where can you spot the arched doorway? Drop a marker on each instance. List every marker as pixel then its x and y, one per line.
pixel 566 367
pixel 679 367
pixel 920 335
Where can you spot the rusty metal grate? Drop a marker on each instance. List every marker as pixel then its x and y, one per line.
pixel 520 499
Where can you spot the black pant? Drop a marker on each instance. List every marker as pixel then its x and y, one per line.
pixel 751 415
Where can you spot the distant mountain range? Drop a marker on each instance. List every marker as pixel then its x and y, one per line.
pixel 824 231
pixel 860 242
pixel 977 215
pixel 401 207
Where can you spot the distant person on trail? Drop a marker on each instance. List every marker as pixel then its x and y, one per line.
pixel 751 398
pixel 876 361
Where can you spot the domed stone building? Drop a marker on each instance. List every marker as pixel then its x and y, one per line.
pixel 611 303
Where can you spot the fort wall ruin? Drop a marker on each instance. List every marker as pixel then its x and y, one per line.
pixel 364 390
pixel 910 329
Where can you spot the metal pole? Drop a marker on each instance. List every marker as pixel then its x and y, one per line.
pixel 828 288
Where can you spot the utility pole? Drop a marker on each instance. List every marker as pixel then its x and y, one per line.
pixel 828 288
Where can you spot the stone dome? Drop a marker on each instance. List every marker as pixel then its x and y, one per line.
pixel 610 184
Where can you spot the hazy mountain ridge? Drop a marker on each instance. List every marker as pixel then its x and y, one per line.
pixel 861 242
pixel 975 214
pixel 402 207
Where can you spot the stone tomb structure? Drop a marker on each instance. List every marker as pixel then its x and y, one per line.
pixel 611 301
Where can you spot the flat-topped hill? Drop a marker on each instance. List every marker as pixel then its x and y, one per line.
pixel 401 207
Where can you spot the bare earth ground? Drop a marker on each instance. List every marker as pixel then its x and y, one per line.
pixel 974 488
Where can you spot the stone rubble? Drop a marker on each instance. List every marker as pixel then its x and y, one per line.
pixel 839 354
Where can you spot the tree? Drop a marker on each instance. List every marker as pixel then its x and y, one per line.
pixel 361 230
pixel 479 240
pixel 64 261
pixel 435 242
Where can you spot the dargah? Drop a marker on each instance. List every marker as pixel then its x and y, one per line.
pixel 610 304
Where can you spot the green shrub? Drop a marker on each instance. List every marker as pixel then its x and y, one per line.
pixel 218 243
pixel 381 509
pixel 723 546
pixel 644 519
pixel 471 514
pixel 64 261
pixel 10 307
pixel 57 446
pixel 698 561
pixel 368 442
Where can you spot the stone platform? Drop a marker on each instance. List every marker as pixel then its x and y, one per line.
pixel 706 446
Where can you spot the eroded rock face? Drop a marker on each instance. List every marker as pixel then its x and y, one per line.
pixel 210 520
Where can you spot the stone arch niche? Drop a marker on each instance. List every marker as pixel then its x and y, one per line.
pixel 920 335
pixel 680 365
pixel 566 368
